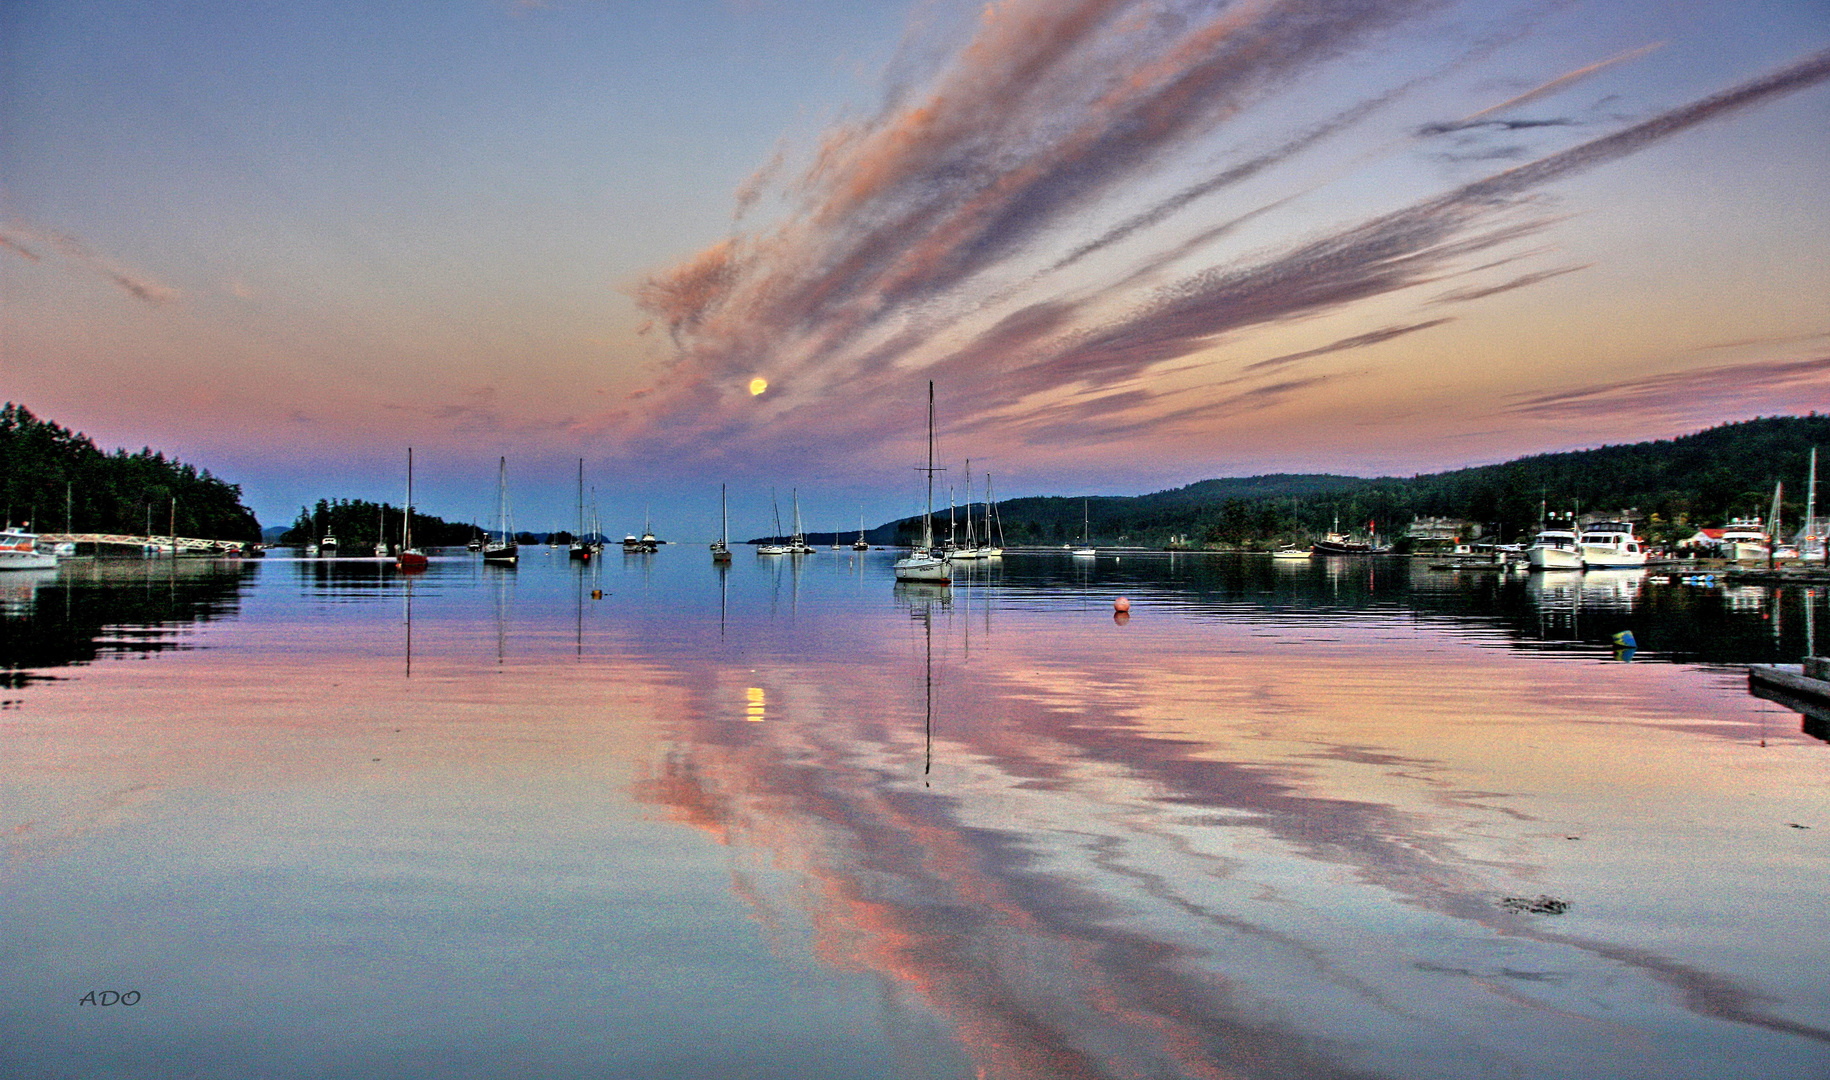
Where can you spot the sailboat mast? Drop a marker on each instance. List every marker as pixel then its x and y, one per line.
pixel 406 520
pixel 927 518
pixel 724 520
pixel 1810 507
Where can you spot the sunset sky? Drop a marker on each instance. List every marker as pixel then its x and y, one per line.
pixel 1134 244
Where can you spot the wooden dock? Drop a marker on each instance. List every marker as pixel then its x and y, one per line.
pixel 1803 688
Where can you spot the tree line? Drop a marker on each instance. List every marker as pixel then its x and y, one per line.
pixel 358 524
pixel 54 480
pixel 1671 487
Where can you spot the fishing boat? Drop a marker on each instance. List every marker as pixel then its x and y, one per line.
pixel 1610 545
pixel 410 558
pixel 327 546
pixel 502 551
pixel 798 545
pixel 19 551
pixel 921 563
pixel 1086 547
pixel 648 542
pixel 1340 543
pixel 721 550
pixel 580 548
pixel 1554 547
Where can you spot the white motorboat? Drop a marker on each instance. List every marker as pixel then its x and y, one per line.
pixel 1554 548
pixel 921 564
pixel 1610 545
pixel 1744 540
pixel 1292 553
pixel 19 551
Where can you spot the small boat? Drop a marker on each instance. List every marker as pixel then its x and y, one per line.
pixel 860 544
pixel 411 559
pixel 921 564
pixel 970 549
pixel 327 546
pixel 580 548
pixel 993 547
pixel 1086 548
pixel 799 545
pixel 1610 545
pixel 381 532
pixel 502 551
pixel 721 550
pixel 19 551
pixel 1292 553
pixel 775 546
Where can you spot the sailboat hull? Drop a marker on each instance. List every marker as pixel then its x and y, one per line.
pixel 923 568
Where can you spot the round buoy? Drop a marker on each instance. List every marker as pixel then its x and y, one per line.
pixel 1121 617
pixel 1121 604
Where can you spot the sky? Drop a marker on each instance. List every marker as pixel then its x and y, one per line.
pixel 1133 244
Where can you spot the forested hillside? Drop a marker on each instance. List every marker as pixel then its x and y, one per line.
pixel 54 478
pixel 1673 486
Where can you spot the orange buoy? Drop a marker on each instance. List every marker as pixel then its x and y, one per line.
pixel 1121 604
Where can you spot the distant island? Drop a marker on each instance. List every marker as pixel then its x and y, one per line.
pixel 55 479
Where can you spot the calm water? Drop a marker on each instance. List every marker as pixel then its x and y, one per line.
pixel 801 822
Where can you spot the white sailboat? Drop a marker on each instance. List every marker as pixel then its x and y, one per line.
pixel 993 545
pixel 1086 547
pixel 798 545
pixel 860 544
pixel 971 549
pixel 381 532
pixel 921 564
pixel 775 545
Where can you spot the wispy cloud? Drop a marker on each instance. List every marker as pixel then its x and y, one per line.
pixel 923 236
pixel 1358 341
pixel 1781 385
pixel 74 251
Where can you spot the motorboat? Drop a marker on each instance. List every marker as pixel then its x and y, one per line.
pixel 1744 540
pixel 1610 545
pixel 1554 548
pixel 19 551
pixel 1292 553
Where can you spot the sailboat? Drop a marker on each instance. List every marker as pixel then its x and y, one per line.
pixel 1086 541
pixel 994 542
pixel 581 548
pixel 721 551
pixel 410 558
pixel 860 544
pixel 381 530
pixel 502 550
pixel 920 564
pixel 649 543
pixel 799 545
pixel 775 546
pixel 970 549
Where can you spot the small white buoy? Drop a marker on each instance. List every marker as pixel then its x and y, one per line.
pixel 1121 604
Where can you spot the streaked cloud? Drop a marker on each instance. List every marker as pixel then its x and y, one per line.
pixel 1778 385
pixel 947 236
pixel 77 253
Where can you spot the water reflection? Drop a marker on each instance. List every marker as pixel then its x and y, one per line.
pixel 1263 831
pixel 86 609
